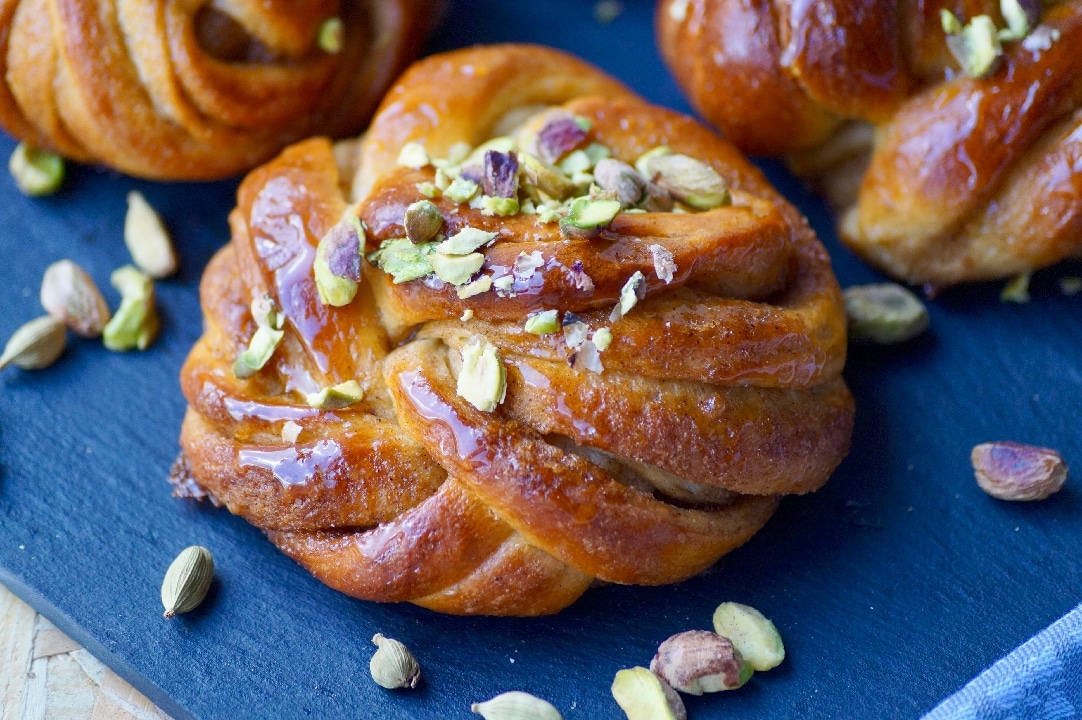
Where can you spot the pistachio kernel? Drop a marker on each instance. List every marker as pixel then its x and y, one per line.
pixel 697 662
pixel 265 312
pixel 147 239
pixel 752 634
pixel 35 345
pixel 500 178
pixel 500 143
pixel 258 353
pixel 187 580
pixel 546 178
pixel 690 181
pixel 291 431
pixel 1015 471
pixel 602 339
pixel 619 178
pixel 461 190
pixel 884 313
pixel 642 162
pixel 1017 290
pixel 544 322
pixel 576 162
pixel 587 218
pixel 336 397
pixel 330 35
pixel 392 665
pixel 630 294
pixel 413 155
pixel 977 48
pixel 466 241
pixel 135 324
pixel 588 357
pixel 403 260
pixel 1019 19
pixel 70 295
pixel 558 136
pixel 422 221
pixel 429 190
pixel 481 285
pixel 516 705
pixel 337 265
pixel 456 269
pixel 499 206
pixel 482 380
pixel 950 22
pixel 36 172
pixel 642 695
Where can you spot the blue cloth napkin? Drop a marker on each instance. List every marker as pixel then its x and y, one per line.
pixel 1041 679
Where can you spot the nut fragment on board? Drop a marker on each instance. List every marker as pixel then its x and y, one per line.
pixel 35 345
pixel 393 665
pixel 642 695
pixel 147 239
pixel 884 313
pixel 698 661
pixel 1015 471
pixel 516 705
pixel 36 172
pixel 135 324
pixel 69 294
pixel 751 633
pixel 187 580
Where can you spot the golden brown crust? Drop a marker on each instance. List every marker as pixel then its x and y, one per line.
pixel 191 90
pixel 969 179
pixel 644 473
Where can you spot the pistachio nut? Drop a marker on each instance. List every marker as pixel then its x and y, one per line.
pixel 482 379
pixel 461 190
pixel 546 178
pixel 587 218
pixel 187 580
pixel 1015 471
pixel 602 339
pixel 544 322
pixel 329 38
pixel 630 294
pixel 516 705
pixel 147 239
pixel 699 661
pixel 752 634
pixel 422 221
pixel 337 265
pixel 642 695
pixel 413 155
pixel 69 294
pixel 403 260
pixel 36 172
pixel 35 345
pixel 884 313
pixel 619 178
pixel 499 206
pixel 466 241
pixel 336 397
pixel 258 353
pixel 977 48
pixel 392 665
pixel 135 324
pixel 690 181
pixel 481 285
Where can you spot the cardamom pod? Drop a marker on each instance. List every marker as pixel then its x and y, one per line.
pixel 516 705
pixel 187 580
pixel 35 345
pixel 393 665
pixel 147 239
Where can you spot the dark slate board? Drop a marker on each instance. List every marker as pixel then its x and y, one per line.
pixel 892 586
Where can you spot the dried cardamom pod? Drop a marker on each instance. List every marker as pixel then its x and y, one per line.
pixel 147 239
pixel 187 580
pixel 393 665
pixel 69 294
pixel 35 345
pixel 516 705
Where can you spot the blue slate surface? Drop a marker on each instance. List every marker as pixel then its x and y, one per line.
pixel 892 586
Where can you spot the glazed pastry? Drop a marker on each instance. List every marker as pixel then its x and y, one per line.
pixel 196 90
pixel 965 176
pixel 522 405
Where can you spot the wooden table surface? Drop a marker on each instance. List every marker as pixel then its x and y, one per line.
pixel 45 675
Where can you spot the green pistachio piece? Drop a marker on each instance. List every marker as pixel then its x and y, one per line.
pixel 259 351
pixel 482 380
pixel 602 339
pixel 429 190
pixel 752 634
pixel 340 396
pixel 641 164
pixel 642 695
pixel 422 221
pixel 36 172
pixel 885 313
pixel 502 143
pixel 413 155
pixel 1017 290
pixel 950 22
pixel 461 190
pixel 458 152
pixel 456 269
pixel 596 152
pixel 135 324
pixel 977 48
pixel 690 181
pixel 589 215
pixel 546 178
pixel 499 206
pixel 337 265
pixel 584 123
pixel 265 312
pixel 1017 22
pixel 545 322
pixel 481 285
pixel 330 35
pixel 403 260
pixel 630 294
pixel 466 241
pixel 576 161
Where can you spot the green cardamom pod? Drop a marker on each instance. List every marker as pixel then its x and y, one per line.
pixel 35 345
pixel 393 665
pixel 516 705
pixel 187 580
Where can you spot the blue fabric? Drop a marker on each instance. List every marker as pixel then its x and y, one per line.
pixel 1041 679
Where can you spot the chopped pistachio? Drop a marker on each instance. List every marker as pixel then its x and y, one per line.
pixel 596 152
pixel 1017 290
pixel 577 161
pixel 630 294
pixel 642 695
pixel 265 312
pixel 337 397
pixel 690 181
pixel 499 206
pixel 330 35
pixel 1070 285
pixel 135 324
pixel 528 208
pixel 429 190
pixel 467 314
pixel 466 241
pixel 482 381
pixel 602 339
pixel 422 221
pixel 545 177
pixel 504 283
pixel 403 260
pixel 461 190
pixel 337 265
pixel 1018 22
pixel 259 351
pixel 545 322
pixel 147 239
pixel 459 152
pixel 977 48
pixel 590 216
pixel 548 215
pixel 444 178
pixel 620 179
pixel 884 313
pixel 560 134
pixel 456 269
pixel 664 265
pixel 500 174
pixel 950 22
pixel 581 280
pixel 641 164
pixel 36 172
pixel 585 123
pixel 291 431
pixel 501 143
pixel 413 155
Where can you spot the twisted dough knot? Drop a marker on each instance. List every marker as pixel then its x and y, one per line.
pixel 969 178
pixel 192 89
pixel 720 391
